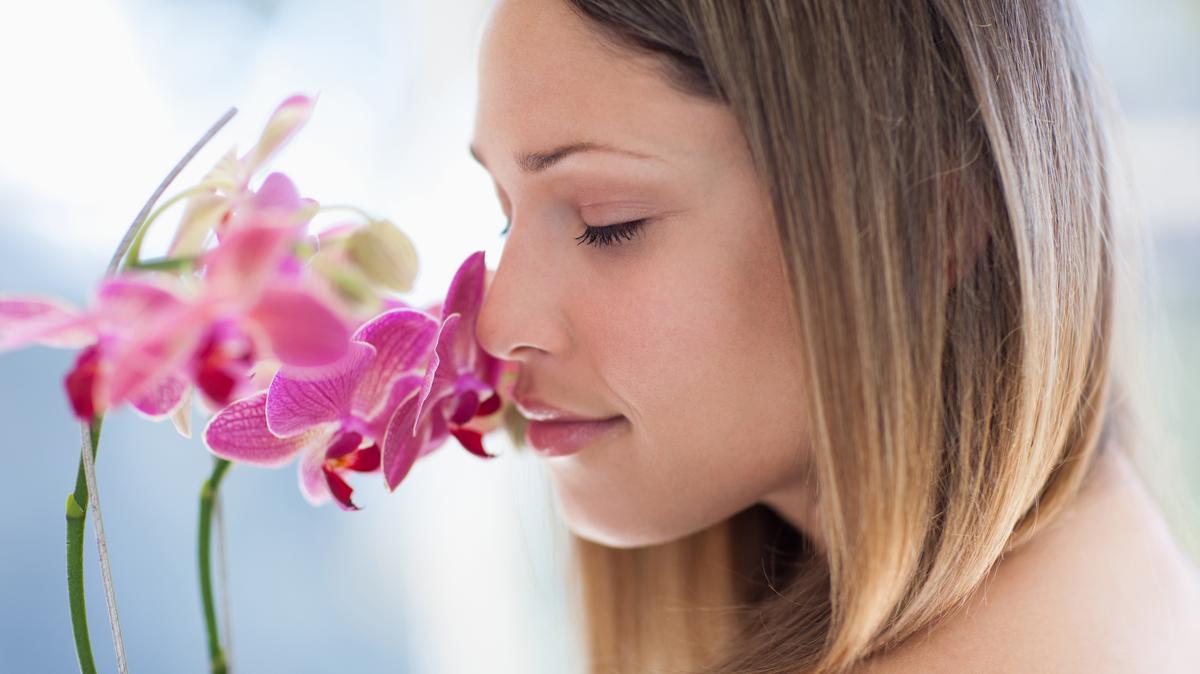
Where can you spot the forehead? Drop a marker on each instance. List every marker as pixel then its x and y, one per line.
pixel 547 78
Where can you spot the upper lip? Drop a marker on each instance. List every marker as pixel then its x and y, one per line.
pixel 537 410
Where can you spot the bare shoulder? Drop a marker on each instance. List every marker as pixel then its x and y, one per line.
pixel 1106 589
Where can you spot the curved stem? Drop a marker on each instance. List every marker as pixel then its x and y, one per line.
pixel 135 246
pixel 135 230
pixel 223 577
pixel 77 504
pixel 216 657
pixel 178 264
pixel 85 482
pixel 91 436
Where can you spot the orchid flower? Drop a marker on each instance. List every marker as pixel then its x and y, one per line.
pixel 254 323
pixel 150 335
pixel 225 187
pixel 119 305
pixel 333 416
pixel 454 384
pixel 253 303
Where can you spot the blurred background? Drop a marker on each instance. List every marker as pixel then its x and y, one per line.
pixel 460 569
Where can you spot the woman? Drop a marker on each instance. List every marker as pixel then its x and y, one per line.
pixel 825 382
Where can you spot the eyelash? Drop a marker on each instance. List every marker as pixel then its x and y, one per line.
pixel 608 235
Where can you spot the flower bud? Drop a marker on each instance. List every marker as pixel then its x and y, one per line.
pixel 384 254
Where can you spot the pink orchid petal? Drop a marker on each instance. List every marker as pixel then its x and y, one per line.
pixel 26 320
pixel 277 191
pixel 404 341
pixel 287 119
pixel 440 375
pixel 342 444
pixel 31 307
pixel 302 397
pixel 401 447
pixel 160 346
pixel 311 472
pixel 250 253
pixel 464 407
pixel 402 388
pixel 239 433
pixel 163 398
pixel 439 430
pixel 71 333
pixel 466 288
pixel 467 383
pixel 302 330
pixel 134 297
pixel 157 330
pixel 292 267
pixel 465 297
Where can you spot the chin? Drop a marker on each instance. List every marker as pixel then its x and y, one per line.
pixel 614 538
pixel 615 531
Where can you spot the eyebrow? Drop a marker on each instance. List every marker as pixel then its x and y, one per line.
pixel 536 162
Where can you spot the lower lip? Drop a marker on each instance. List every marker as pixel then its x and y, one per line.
pixel 561 438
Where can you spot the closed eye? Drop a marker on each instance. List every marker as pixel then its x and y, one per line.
pixel 608 235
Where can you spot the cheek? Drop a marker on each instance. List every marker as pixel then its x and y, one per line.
pixel 699 353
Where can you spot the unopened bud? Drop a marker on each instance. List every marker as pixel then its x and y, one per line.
pixel 385 255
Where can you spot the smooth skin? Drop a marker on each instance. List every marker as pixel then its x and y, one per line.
pixel 686 332
pixel 683 329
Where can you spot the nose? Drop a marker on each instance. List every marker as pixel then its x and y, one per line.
pixel 520 316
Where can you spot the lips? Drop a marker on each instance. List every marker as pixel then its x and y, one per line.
pixel 562 438
pixel 537 410
pixel 554 431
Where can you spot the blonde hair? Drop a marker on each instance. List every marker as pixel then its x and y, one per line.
pixel 940 174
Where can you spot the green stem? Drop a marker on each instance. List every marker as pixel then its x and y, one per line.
pixel 162 263
pixel 208 494
pixel 137 229
pixel 135 246
pixel 77 503
pixel 85 482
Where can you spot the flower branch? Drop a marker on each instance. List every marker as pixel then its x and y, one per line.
pixel 208 495
pixel 293 340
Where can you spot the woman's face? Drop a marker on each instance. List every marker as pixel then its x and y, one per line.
pixel 682 330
